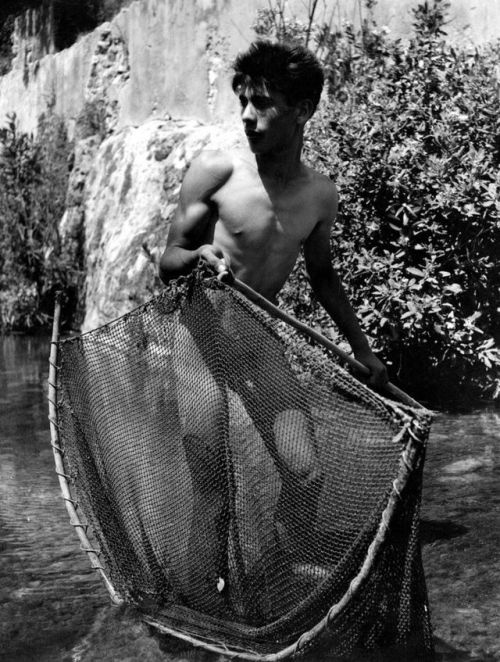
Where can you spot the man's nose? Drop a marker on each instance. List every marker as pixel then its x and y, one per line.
pixel 248 115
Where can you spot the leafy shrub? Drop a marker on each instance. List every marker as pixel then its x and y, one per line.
pixel 6 55
pixel 411 134
pixel 33 182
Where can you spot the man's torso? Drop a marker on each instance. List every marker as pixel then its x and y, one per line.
pixel 261 224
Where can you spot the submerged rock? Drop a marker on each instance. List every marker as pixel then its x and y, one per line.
pixel 468 470
pixel 471 464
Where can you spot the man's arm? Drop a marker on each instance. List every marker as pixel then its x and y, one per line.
pixel 328 288
pixel 191 232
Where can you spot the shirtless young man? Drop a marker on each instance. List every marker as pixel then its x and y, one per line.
pixel 252 212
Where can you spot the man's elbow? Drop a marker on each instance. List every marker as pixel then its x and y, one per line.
pixel 165 268
pixel 176 262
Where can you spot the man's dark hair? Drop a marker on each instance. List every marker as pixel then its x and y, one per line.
pixel 287 68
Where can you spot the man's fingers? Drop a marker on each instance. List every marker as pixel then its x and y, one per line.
pixel 378 372
pixel 215 258
pixel 221 266
pixel 222 270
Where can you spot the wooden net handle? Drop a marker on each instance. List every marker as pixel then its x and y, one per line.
pixel 273 310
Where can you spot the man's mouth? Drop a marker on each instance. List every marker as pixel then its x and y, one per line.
pixel 252 135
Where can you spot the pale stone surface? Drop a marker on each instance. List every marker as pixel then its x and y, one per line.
pixel 130 197
pixel 58 79
pixel 154 58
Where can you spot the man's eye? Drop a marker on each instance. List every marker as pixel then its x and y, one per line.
pixel 262 104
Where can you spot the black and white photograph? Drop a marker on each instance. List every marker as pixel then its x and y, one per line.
pixel 249 330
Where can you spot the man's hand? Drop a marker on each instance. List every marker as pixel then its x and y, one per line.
pixel 215 259
pixel 378 371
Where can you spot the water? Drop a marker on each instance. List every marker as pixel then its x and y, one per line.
pixel 54 608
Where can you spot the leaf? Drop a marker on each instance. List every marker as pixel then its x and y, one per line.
pixel 415 271
pixel 454 287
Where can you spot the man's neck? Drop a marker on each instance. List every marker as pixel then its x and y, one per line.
pixel 282 166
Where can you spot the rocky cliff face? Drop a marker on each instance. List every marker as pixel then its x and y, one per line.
pixel 123 194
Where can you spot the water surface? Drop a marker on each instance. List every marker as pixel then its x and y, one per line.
pixel 54 608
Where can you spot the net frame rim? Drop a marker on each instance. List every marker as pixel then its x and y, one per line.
pixel 61 469
pixel 416 424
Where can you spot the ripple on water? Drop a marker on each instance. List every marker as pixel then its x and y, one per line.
pixel 48 594
pixel 462 488
pixel 53 608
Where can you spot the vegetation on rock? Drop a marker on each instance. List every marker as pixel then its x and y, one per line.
pixel 33 265
pixel 6 29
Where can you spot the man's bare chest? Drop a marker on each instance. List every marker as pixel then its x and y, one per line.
pixel 251 212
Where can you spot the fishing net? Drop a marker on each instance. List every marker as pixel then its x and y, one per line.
pixel 244 491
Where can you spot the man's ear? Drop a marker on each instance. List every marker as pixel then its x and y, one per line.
pixel 304 111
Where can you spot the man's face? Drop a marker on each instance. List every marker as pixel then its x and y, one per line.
pixel 269 121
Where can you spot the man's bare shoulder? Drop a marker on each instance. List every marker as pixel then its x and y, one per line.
pixel 209 170
pixel 325 190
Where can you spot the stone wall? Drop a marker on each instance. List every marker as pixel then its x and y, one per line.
pixel 173 54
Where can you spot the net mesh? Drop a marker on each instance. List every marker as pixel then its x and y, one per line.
pixel 235 478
